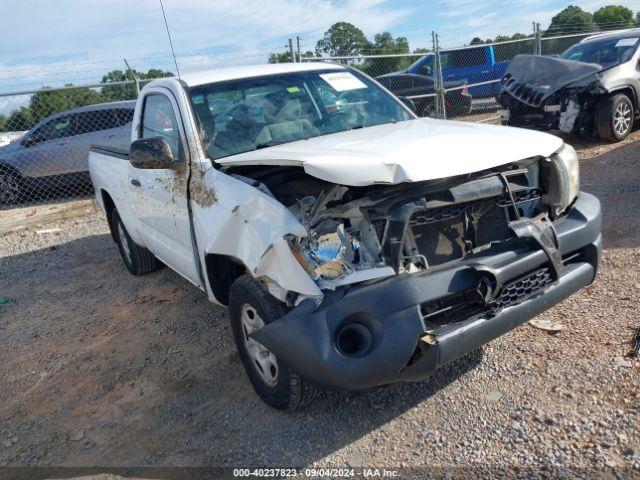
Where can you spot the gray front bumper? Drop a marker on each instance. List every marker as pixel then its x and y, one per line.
pixel 304 338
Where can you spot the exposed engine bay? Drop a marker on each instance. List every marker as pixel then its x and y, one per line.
pixel 358 234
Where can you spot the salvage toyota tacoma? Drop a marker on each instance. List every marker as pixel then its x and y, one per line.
pixel 355 244
pixel 591 89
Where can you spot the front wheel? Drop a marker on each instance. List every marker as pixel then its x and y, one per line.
pixel 250 309
pixel 10 188
pixel 615 117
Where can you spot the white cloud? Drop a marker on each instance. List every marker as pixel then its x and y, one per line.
pixel 42 39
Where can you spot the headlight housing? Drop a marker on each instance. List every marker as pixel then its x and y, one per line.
pixel 561 179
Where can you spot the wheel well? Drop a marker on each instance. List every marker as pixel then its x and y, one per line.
pixel 222 271
pixel 109 207
pixel 629 92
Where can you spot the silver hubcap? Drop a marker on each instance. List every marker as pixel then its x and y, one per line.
pixel 9 189
pixel 622 118
pixel 123 241
pixel 263 360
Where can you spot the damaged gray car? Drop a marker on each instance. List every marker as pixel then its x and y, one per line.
pixel 593 88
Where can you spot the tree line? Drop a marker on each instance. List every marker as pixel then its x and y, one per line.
pixel 45 103
pixel 344 39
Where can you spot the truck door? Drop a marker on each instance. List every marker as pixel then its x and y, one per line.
pixel 159 196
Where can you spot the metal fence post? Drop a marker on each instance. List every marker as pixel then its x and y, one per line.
pixel 298 49
pixel 293 58
pixel 135 77
pixel 537 39
pixel 440 109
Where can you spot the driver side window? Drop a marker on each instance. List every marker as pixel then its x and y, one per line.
pixel 159 120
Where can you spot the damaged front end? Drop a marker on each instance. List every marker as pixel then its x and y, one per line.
pixel 549 93
pixel 416 275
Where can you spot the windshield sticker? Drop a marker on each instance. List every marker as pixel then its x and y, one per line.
pixel 293 90
pixel 626 42
pixel 342 81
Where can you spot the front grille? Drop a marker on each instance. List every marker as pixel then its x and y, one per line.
pixel 464 305
pixel 522 92
pixel 379 225
pixel 521 196
pixel 438 214
pixel 519 290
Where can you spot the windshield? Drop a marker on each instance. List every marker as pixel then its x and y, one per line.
pixel 606 51
pixel 248 114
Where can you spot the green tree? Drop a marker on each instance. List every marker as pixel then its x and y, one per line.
pixel 19 120
pixel 421 50
pixel 385 44
pixel 113 93
pixel 612 17
pixel 45 103
pixel 571 20
pixel 476 41
pixel 3 121
pixel 342 39
pixel 279 57
pixel 502 38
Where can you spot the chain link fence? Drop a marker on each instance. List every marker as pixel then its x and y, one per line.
pixel 455 82
pixel 45 134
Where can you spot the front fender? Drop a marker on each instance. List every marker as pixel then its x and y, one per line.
pixel 250 226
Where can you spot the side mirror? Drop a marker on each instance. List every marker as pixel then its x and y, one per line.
pixel 151 153
pixel 409 104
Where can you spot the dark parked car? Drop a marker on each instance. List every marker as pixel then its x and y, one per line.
pixel 457 101
pixel 53 154
pixel 592 88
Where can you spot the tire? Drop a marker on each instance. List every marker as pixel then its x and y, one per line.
pixel 615 118
pixel 137 259
pixel 250 308
pixel 10 188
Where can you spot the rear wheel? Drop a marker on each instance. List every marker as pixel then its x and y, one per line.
pixel 615 117
pixel 137 259
pixel 10 188
pixel 250 309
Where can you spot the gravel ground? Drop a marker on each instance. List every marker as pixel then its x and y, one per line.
pixel 100 368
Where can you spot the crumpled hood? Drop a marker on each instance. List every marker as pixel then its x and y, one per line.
pixel 409 151
pixel 532 78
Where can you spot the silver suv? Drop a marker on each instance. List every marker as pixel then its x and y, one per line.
pixel 53 154
pixel 592 88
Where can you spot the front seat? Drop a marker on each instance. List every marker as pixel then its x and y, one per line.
pixel 287 125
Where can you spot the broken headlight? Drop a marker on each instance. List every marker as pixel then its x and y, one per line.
pixel 561 179
pixel 329 251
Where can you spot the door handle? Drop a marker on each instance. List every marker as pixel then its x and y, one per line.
pixel 135 182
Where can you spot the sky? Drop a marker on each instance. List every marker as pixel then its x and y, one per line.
pixel 45 43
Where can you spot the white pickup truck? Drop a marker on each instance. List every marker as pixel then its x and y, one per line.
pixel 355 244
